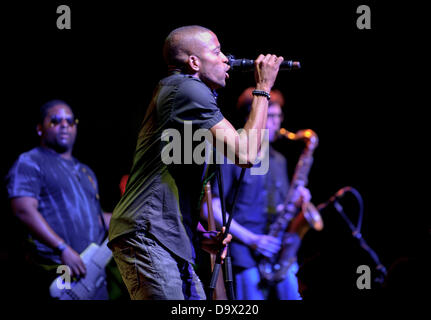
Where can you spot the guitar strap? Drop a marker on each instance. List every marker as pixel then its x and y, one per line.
pixel 93 183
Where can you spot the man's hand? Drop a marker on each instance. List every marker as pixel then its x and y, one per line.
pixel 72 259
pixel 212 242
pixel 266 245
pixel 266 70
pixel 301 196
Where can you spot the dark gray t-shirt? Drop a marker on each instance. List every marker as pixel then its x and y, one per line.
pixel 160 198
pixel 67 195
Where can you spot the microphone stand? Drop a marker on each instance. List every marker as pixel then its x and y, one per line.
pixel 228 274
pixel 356 230
pixel 357 234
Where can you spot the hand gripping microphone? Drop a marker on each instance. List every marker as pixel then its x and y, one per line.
pixel 248 64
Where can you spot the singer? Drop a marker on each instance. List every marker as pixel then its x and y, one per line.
pixel 155 226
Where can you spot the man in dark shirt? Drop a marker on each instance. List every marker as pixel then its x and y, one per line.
pixel 56 197
pixel 155 227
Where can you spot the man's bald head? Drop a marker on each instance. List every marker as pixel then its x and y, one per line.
pixel 182 43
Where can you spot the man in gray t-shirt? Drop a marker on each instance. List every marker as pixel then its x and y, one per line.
pixel 56 197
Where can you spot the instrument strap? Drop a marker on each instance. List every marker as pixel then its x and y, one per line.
pixel 93 183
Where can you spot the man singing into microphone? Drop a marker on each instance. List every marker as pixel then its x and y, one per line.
pixel 155 227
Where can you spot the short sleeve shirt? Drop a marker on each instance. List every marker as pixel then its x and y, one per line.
pixel 162 198
pixel 67 195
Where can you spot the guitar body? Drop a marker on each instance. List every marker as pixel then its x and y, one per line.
pixel 93 285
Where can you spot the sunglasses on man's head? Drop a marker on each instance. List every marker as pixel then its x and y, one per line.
pixel 55 121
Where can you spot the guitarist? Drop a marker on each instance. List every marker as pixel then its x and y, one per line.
pixel 56 198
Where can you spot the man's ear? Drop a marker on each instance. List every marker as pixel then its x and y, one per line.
pixel 39 129
pixel 194 63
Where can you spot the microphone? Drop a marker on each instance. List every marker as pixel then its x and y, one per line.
pixel 338 195
pixel 248 64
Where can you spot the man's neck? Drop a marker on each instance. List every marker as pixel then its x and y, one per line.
pixel 65 155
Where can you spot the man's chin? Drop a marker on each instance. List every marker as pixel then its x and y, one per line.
pixel 214 85
pixel 61 147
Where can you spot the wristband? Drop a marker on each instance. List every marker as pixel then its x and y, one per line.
pixel 261 93
pixel 61 247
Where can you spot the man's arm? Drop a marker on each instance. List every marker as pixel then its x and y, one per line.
pixel 244 146
pixel 26 210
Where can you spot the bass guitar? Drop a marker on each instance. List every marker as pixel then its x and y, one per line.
pixel 95 258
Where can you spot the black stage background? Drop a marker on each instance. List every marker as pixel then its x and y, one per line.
pixel 355 90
